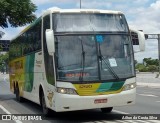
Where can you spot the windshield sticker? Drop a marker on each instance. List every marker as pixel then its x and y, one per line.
pixel 93 38
pixel 113 62
pixel 99 38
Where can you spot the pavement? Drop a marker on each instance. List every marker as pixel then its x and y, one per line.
pixel 5 76
pixel 146 79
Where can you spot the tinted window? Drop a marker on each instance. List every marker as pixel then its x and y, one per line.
pixel 48 60
pixel 28 42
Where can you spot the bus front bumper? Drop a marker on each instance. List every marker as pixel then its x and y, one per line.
pixel 66 102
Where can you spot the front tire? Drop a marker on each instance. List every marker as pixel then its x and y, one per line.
pixel 107 110
pixel 46 111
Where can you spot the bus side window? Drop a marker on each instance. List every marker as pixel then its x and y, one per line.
pixel 25 43
pixel 37 36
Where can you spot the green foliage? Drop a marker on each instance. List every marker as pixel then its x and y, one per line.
pixel 4 61
pixel 141 67
pixel 1 48
pixel 1 34
pixel 152 68
pixel 16 12
pixel 135 62
pixel 150 61
pixel 149 65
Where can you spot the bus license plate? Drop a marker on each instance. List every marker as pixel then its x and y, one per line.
pixel 96 101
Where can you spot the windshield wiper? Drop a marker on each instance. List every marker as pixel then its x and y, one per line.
pixel 101 57
pixel 82 62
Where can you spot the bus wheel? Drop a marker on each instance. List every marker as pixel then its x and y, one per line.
pixel 46 111
pixel 18 97
pixel 106 110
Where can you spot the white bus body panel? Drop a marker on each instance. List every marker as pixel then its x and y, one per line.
pixel 66 102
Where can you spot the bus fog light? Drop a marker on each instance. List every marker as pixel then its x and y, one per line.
pixel 129 86
pixel 66 91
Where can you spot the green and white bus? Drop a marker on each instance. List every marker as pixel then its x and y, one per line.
pixel 75 59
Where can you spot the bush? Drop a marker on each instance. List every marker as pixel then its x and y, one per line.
pixel 141 68
pixel 152 68
pixel 148 68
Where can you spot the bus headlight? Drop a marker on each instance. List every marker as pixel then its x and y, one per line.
pixel 129 86
pixel 66 91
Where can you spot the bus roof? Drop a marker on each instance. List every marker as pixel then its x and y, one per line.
pixel 58 10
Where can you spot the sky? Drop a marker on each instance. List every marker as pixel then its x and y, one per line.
pixel 140 14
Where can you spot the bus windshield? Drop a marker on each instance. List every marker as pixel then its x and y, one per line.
pixel 89 22
pixel 93 57
pixel 92 47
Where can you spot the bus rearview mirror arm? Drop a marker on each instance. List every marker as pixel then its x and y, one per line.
pixel 50 41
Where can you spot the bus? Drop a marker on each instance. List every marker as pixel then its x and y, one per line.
pixel 75 59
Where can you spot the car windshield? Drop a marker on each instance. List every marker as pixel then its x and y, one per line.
pixel 93 57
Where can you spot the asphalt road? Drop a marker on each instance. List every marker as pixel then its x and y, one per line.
pixel 148 102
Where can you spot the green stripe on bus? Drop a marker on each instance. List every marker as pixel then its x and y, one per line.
pixel 110 86
pixel 29 70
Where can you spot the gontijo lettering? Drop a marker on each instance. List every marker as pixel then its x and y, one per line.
pixel 85 86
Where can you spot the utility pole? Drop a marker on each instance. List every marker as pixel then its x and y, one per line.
pixel 159 53
pixel 80 4
pixel 155 36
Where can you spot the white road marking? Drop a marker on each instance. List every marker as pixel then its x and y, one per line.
pixel 120 112
pixel 6 111
pixel 148 95
pixel 120 121
pixel 146 121
pixel 158 101
pixel 148 92
pixel 4 78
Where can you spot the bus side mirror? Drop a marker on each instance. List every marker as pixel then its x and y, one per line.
pixel 138 38
pixel 50 41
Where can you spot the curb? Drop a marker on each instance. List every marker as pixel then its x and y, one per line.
pixel 152 85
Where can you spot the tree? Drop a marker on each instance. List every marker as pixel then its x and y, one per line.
pixel 16 12
pixel 152 68
pixel 149 61
pixel 149 65
pixel 4 59
pixel 141 67
pixel 135 62
pixel 1 34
